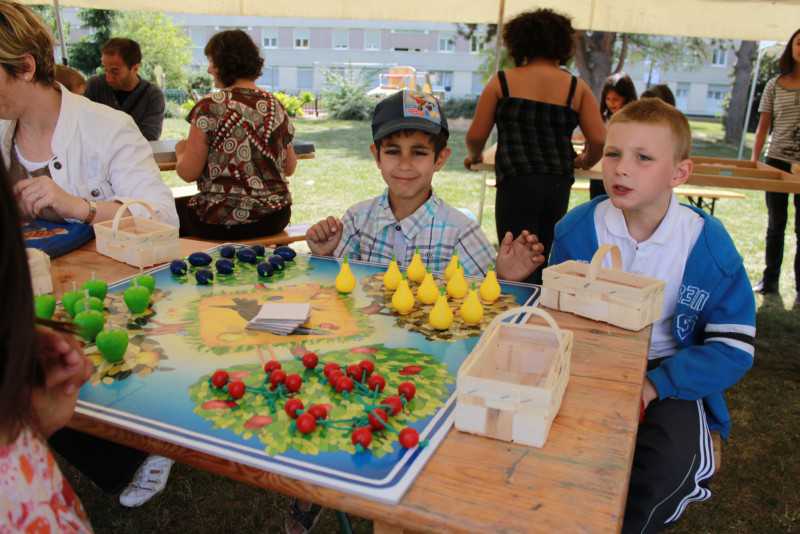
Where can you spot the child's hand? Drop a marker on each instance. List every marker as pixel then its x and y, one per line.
pixel 469 161
pixel 323 237
pixel 649 393
pixel 65 369
pixel 518 258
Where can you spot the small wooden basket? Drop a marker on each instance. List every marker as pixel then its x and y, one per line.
pixel 135 240
pixel 511 385
pixel 610 295
pixel 39 266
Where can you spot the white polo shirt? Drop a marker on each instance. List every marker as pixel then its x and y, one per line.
pixel 662 256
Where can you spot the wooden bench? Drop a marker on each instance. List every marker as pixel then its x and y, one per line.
pixel 699 197
pixel 290 234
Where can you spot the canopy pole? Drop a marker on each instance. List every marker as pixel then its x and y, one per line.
pixel 499 35
pixel 750 99
pixel 60 27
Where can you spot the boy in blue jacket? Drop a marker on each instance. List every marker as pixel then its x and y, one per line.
pixel 704 342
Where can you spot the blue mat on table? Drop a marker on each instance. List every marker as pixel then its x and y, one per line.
pixel 56 239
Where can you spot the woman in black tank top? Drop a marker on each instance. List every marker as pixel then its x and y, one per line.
pixel 536 107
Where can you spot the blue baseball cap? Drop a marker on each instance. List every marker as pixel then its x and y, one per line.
pixel 408 110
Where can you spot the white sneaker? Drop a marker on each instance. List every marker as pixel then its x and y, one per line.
pixel 149 480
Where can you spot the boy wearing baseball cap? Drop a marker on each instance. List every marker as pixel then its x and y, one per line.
pixel 410 135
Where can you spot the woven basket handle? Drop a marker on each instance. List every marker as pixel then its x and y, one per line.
pixel 520 310
pixel 597 260
pixel 125 207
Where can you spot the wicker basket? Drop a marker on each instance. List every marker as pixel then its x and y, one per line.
pixel 610 295
pixel 511 385
pixel 135 240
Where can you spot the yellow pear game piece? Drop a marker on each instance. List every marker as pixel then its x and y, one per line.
pixel 403 298
pixel 416 269
pixel 490 288
pixel 392 276
pixel 428 291
pixel 345 280
pixel 441 316
pixel 471 310
pixel 451 267
pixel 457 285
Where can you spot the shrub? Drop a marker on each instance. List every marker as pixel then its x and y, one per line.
pixel 200 83
pixel 292 104
pixel 347 99
pixel 173 110
pixel 187 106
pixel 179 96
pixel 460 107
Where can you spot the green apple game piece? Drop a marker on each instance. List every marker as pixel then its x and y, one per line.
pixel 97 288
pixel 89 324
pixel 87 303
pixel 44 306
pixel 68 300
pixel 136 298
pixel 112 344
pixel 147 281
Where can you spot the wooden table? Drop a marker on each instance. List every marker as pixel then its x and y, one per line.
pixel 577 482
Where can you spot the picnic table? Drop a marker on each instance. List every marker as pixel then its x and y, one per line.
pixel 577 482
pixel 164 152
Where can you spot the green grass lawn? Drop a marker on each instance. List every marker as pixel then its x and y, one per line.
pixel 757 489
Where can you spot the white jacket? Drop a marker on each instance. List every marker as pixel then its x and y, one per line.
pixel 100 154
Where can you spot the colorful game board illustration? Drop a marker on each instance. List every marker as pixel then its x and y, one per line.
pixel 381 387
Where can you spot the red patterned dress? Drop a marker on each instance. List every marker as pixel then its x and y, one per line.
pixel 247 131
pixel 35 498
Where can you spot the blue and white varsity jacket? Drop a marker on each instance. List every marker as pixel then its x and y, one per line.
pixel 714 320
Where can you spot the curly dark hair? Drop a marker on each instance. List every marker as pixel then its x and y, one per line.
pixel 786 63
pixel 621 84
pixel 661 91
pixel 235 56
pixel 539 34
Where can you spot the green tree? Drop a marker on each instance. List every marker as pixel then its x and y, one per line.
pixel 85 54
pixel 162 43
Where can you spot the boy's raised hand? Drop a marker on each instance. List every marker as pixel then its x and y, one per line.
pixel 518 258
pixel 323 237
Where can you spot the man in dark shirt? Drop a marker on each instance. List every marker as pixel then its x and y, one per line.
pixel 123 89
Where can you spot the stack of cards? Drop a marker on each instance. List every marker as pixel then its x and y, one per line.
pixel 280 318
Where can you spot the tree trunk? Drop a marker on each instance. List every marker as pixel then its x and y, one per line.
pixel 594 52
pixel 737 107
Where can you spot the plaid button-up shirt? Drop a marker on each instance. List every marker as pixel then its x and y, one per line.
pixel 372 233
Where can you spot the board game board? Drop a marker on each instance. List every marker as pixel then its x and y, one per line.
pixel 162 388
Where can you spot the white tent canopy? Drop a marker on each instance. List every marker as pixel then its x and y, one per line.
pixel 731 19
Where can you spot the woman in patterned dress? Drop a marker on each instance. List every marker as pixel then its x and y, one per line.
pixel 239 149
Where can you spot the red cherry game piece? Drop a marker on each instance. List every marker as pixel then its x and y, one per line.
pixel 409 438
pixel 330 367
pixel 291 407
pixel 407 389
pixel 306 423
pixel 344 384
pixel 219 378
pixel 362 436
pixel 236 389
pixel 395 402
pixel 368 366
pixel 334 377
pixel 354 371
pixel 277 377
pixel 293 383
pixel 318 411
pixel 310 360
pixel 377 418
pixel 271 365
pixel 376 382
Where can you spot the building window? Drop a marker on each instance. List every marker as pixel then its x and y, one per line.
pixel 372 40
pixel 719 58
pixel 476 43
pixel 447 42
pixel 442 80
pixel 269 38
pixel 341 39
pixel 302 38
pixel 305 78
pixel 269 79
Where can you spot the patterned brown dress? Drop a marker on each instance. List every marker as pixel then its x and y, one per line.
pixel 247 132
